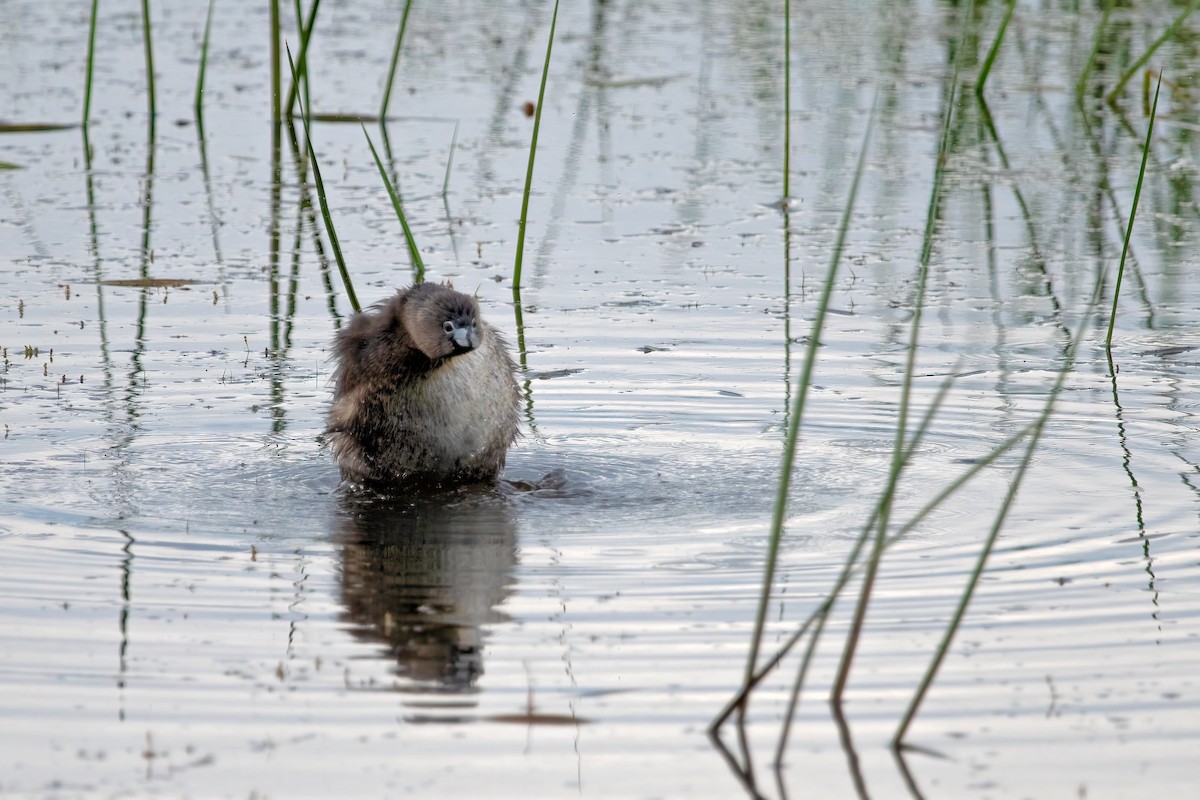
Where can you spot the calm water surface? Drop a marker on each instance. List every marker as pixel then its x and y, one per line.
pixel 188 607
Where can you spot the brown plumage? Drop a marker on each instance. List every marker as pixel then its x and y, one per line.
pixel 424 393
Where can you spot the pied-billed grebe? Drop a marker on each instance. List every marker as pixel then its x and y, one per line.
pixel 424 393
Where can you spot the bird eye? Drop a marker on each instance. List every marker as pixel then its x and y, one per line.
pixel 448 326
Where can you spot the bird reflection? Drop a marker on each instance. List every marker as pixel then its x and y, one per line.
pixel 423 577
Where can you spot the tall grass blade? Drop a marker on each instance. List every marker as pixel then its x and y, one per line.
pixel 306 27
pixel 537 120
pixel 1170 32
pixel 851 561
pixel 852 566
pixel 199 102
pixel 146 40
pixel 990 58
pixel 325 215
pixel 276 81
pixel 787 100
pixel 1103 186
pixel 1001 515
pixel 789 451
pixel 91 63
pixel 973 581
pixel 898 448
pixel 413 252
pixel 1137 193
pixel 387 90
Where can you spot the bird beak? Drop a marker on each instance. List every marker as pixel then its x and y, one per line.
pixel 465 337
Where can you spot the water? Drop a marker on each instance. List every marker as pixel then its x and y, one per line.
pixel 190 608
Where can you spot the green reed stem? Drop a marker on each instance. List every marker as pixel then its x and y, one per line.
pixel 1172 29
pixel 787 99
pixel 851 564
pixel 91 63
pixel 387 90
pixel 793 433
pixel 985 552
pixel 199 102
pixel 848 567
pixel 537 120
pixel 1137 193
pixel 146 40
pixel 325 215
pixel 990 59
pixel 301 65
pixel 276 81
pixel 413 252
pixel 898 449
pixel 306 27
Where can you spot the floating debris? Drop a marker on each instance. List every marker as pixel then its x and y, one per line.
pixel 151 283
